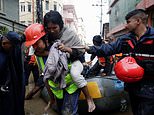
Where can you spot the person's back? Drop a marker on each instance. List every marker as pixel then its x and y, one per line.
pixel 103 62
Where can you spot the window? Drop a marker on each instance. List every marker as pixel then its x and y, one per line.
pixel 29 7
pixel 55 6
pixel 1 6
pixel 22 7
pixel 47 4
pixel 117 14
pixel 60 8
pixel 29 22
pixel 23 22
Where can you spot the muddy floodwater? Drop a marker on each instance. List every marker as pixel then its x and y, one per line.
pixel 36 105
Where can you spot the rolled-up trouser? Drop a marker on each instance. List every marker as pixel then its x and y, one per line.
pixel 75 71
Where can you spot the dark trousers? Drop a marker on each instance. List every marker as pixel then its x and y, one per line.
pixel 142 98
pixel 95 70
pixel 108 68
pixel 69 104
pixel 31 68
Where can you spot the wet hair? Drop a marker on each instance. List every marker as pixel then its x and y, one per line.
pixel 97 40
pixel 137 13
pixel 53 17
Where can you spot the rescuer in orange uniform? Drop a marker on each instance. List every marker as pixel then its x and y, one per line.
pixel 102 62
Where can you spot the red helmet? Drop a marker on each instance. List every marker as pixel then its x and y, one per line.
pixel 128 70
pixel 33 33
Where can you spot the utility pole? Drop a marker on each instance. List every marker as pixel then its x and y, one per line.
pixel 101 19
pixel 32 11
pixel 101 15
pixel 39 11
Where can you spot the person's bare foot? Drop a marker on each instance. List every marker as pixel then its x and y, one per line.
pixel 91 105
pixel 47 107
pixel 103 74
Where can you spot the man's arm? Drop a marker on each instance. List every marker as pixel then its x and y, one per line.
pixel 108 49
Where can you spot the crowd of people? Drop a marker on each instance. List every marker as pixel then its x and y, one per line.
pixel 58 61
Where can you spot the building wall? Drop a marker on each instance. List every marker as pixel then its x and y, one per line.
pixel 28 18
pixel 70 17
pixel 105 31
pixel 9 16
pixel 10 9
pixel 119 10
pixel 65 7
pixel 73 21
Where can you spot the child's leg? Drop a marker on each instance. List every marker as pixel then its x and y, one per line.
pixel 80 81
pixel 90 102
pixel 75 71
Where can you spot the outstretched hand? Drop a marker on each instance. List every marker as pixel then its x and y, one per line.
pixel 91 49
pixel 86 48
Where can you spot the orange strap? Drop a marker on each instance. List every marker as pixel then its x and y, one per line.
pixel 32 59
pixel 101 59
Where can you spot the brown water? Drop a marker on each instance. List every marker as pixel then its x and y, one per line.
pixel 36 105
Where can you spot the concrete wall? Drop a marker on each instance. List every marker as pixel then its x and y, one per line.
pixel 9 16
pixel 119 10
pixel 11 9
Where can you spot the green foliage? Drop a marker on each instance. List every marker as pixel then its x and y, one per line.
pixel 3 30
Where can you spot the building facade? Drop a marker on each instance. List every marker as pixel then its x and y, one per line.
pixel 119 8
pixel 28 9
pixel 9 16
pixel 28 13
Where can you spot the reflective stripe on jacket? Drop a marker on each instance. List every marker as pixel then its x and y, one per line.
pixel 40 63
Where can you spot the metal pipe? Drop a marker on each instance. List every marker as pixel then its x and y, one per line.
pixel 101 19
